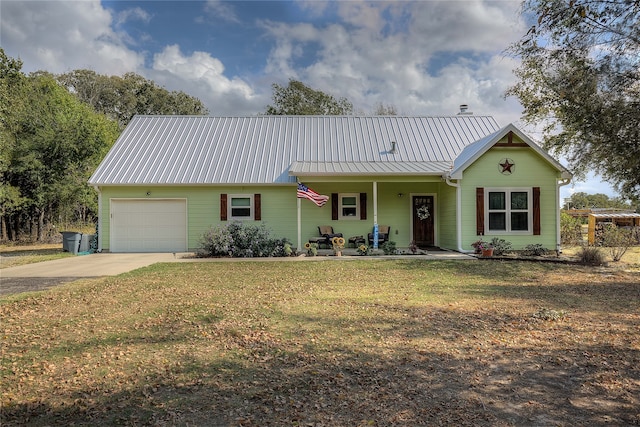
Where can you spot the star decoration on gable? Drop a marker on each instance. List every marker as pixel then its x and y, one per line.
pixel 507 166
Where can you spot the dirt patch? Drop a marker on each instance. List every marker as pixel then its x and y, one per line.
pixel 16 285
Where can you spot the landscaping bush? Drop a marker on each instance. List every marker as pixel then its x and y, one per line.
pixel 389 248
pixel 570 230
pixel 238 239
pixel 535 249
pixel 617 240
pixel 591 255
pixel 500 246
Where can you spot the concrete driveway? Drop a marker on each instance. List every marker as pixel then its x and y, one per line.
pixel 43 275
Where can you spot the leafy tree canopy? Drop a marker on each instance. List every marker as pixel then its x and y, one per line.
pixel 120 98
pixel 582 200
pixel 298 99
pixel 580 78
pixel 51 142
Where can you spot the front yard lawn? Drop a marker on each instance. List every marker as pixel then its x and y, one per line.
pixel 361 342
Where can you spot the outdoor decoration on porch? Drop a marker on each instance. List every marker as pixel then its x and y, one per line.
pixel 423 212
pixel 311 248
pixel 338 245
pixel 362 250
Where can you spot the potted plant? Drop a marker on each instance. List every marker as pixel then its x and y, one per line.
pixel 483 248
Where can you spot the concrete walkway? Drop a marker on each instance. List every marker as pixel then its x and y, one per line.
pixel 43 275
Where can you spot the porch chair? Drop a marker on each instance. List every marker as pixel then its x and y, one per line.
pixel 383 235
pixel 326 234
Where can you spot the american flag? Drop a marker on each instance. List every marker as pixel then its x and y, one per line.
pixel 305 192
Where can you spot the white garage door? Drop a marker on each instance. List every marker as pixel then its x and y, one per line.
pixel 148 225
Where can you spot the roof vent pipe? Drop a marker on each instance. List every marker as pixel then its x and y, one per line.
pixel 464 110
pixel 393 146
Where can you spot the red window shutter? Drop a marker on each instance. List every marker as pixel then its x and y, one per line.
pixel 257 208
pixel 223 207
pixel 334 206
pixel 536 211
pixel 480 211
pixel 363 205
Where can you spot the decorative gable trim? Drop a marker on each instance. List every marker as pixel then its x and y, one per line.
pixel 510 143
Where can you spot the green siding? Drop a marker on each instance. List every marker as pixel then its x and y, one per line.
pixel 279 208
pixel 531 170
pixel 447 216
pixel 279 203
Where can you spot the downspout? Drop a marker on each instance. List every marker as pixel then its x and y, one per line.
pixel 562 183
pixel 99 236
pixel 447 179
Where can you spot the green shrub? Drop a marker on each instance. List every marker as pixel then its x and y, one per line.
pixel 238 239
pixel 500 246
pixel 591 255
pixel 389 248
pixel 535 249
pixel 570 230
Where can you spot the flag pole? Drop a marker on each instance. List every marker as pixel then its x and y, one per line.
pixel 299 203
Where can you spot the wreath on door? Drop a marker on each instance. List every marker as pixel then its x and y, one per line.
pixel 423 212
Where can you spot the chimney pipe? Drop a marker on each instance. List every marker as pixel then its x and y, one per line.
pixel 464 110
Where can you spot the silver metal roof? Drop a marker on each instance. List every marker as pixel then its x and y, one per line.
pixel 615 215
pixel 272 149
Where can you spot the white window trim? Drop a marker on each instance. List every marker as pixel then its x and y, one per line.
pixel 252 213
pixel 508 191
pixel 340 206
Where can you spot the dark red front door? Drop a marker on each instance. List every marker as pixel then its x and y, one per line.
pixel 423 214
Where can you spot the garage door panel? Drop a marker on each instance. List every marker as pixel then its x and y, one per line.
pixel 148 225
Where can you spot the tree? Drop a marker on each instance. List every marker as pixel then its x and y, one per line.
pixel 385 110
pixel 51 143
pixel 582 200
pixel 12 103
pixel 298 99
pixel 579 77
pixel 120 98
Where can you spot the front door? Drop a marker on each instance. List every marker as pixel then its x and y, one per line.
pixel 423 213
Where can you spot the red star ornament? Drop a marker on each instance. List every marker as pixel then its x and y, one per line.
pixel 507 166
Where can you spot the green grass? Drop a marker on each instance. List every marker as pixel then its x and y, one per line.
pixel 13 256
pixel 359 342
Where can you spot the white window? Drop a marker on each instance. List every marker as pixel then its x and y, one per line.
pixel 349 206
pixel 241 207
pixel 508 210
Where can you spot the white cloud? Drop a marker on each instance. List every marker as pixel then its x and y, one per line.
pixel 202 75
pixel 61 36
pixel 221 10
pixel 371 60
pixel 134 14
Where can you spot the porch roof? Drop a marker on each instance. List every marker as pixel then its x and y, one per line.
pixel 436 168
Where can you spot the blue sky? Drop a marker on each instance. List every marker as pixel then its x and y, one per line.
pixel 422 57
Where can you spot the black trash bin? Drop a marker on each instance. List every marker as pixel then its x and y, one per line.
pixel 71 241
